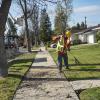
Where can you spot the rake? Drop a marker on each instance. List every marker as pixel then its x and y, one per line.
pixel 75 59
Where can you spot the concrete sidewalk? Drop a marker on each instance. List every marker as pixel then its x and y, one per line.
pixel 85 84
pixel 44 82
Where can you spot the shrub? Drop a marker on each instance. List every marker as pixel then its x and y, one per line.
pixel 98 36
pixel 98 41
pixel 75 42
pixel 48 43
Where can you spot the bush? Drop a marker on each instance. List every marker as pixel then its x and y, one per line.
pixel 48 43
pixel 75 42
pixel 98 41
pixel 98 36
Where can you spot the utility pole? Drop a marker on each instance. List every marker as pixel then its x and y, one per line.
pixel 85 22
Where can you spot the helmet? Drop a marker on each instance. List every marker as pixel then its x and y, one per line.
pixel 68 34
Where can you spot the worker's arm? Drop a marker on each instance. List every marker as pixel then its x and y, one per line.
pixel 68 44
pixel 68 34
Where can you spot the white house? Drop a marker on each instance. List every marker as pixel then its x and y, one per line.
pixel 88 35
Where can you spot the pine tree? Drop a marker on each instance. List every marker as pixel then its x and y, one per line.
pixel 83 25
pixel 12 27
pixel 45 26
pixel 78 26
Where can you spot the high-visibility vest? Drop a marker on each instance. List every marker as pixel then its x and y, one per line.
pixel 60 45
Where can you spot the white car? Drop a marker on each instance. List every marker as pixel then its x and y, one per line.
pixel 53 45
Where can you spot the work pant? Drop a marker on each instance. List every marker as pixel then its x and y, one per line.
pixel 60 58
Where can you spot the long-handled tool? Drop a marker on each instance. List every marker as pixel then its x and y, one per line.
pixel 76 60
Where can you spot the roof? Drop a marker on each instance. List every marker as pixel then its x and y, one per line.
pixel 93 28
pixel 98 28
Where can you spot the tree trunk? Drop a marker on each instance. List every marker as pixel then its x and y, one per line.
pixel 3 59
pixel 4 10
pixel 28 37
pixel 36 40
pixel 26 28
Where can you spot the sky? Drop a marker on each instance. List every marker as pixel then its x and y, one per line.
pixel 81 8
pixel 88 8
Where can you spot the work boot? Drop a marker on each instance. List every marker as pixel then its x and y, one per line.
pixel 67 67
pixel 60 71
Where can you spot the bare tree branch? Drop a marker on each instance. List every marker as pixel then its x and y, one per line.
pixel 51 1
pixel 31 12
pixel 20 3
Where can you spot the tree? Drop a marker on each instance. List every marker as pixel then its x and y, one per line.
pixel 63 12
pixel 83 25
pixel 45 27
pixel 59 23
pixel 4 10
pixel 98 36
pixel 35 24
pixel 12 27
pixel 27 9
pixel 59 19
pixel 78 26
pixel 22 37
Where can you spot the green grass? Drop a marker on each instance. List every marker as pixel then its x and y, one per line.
pixel 89 67
pixel 89 58
pixel 17 69
pixel 90 94
pixel 35 47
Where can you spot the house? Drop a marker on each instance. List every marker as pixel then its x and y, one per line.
pixel 11 41
pixel 88 35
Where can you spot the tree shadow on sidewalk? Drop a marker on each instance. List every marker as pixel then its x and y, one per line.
pixel 44 67
pixel 45 79
pixel 37 60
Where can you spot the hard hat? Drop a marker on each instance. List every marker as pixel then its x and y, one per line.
pixel 68 34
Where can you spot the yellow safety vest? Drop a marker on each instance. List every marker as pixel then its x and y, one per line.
pixel 60 46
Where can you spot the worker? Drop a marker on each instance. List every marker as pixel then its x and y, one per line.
pixel 62 46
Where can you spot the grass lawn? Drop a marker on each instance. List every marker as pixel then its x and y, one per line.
pixel 89 67
pixel 90 94
pixel 17 69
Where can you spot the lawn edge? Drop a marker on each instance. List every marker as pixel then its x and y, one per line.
pixel 22 78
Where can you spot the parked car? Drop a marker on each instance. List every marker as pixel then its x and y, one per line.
pixel 53 45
